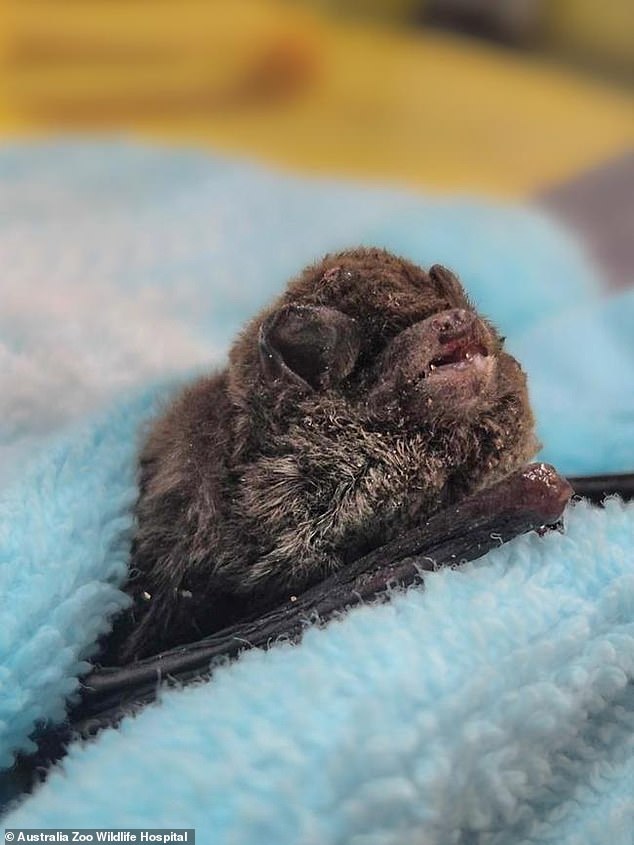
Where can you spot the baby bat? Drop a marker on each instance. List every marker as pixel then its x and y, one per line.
pixel 367 397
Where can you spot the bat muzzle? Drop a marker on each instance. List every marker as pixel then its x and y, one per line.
pixel 444 365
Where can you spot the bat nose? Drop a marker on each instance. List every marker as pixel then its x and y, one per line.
pixel 453 323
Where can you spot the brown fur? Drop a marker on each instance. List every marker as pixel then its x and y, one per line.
pixel 255 485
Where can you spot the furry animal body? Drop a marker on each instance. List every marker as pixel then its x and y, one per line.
pixel 368 396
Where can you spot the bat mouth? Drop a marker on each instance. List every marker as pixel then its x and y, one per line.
pixel 460 354
pixel 461 350
pixel 461 374
pixel 444 365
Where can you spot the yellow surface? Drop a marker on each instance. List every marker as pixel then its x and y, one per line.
pixel 86 62
pixel 423 109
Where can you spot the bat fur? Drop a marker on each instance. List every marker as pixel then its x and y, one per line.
pixel 369 395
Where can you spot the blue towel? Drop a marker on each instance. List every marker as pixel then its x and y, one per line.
pixel 494 706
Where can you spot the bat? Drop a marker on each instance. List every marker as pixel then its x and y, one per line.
pixel 369 396
pixel 369 428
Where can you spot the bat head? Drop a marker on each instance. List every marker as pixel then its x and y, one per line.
pixel 374 335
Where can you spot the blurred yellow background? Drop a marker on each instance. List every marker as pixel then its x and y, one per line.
pixel 373 93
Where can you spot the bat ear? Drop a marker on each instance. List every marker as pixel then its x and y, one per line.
pixel 313 346
pixel 447 284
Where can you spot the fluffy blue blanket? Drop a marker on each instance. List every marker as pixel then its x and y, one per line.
pixel 494 706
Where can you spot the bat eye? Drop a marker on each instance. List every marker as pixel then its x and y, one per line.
pixel 311 345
